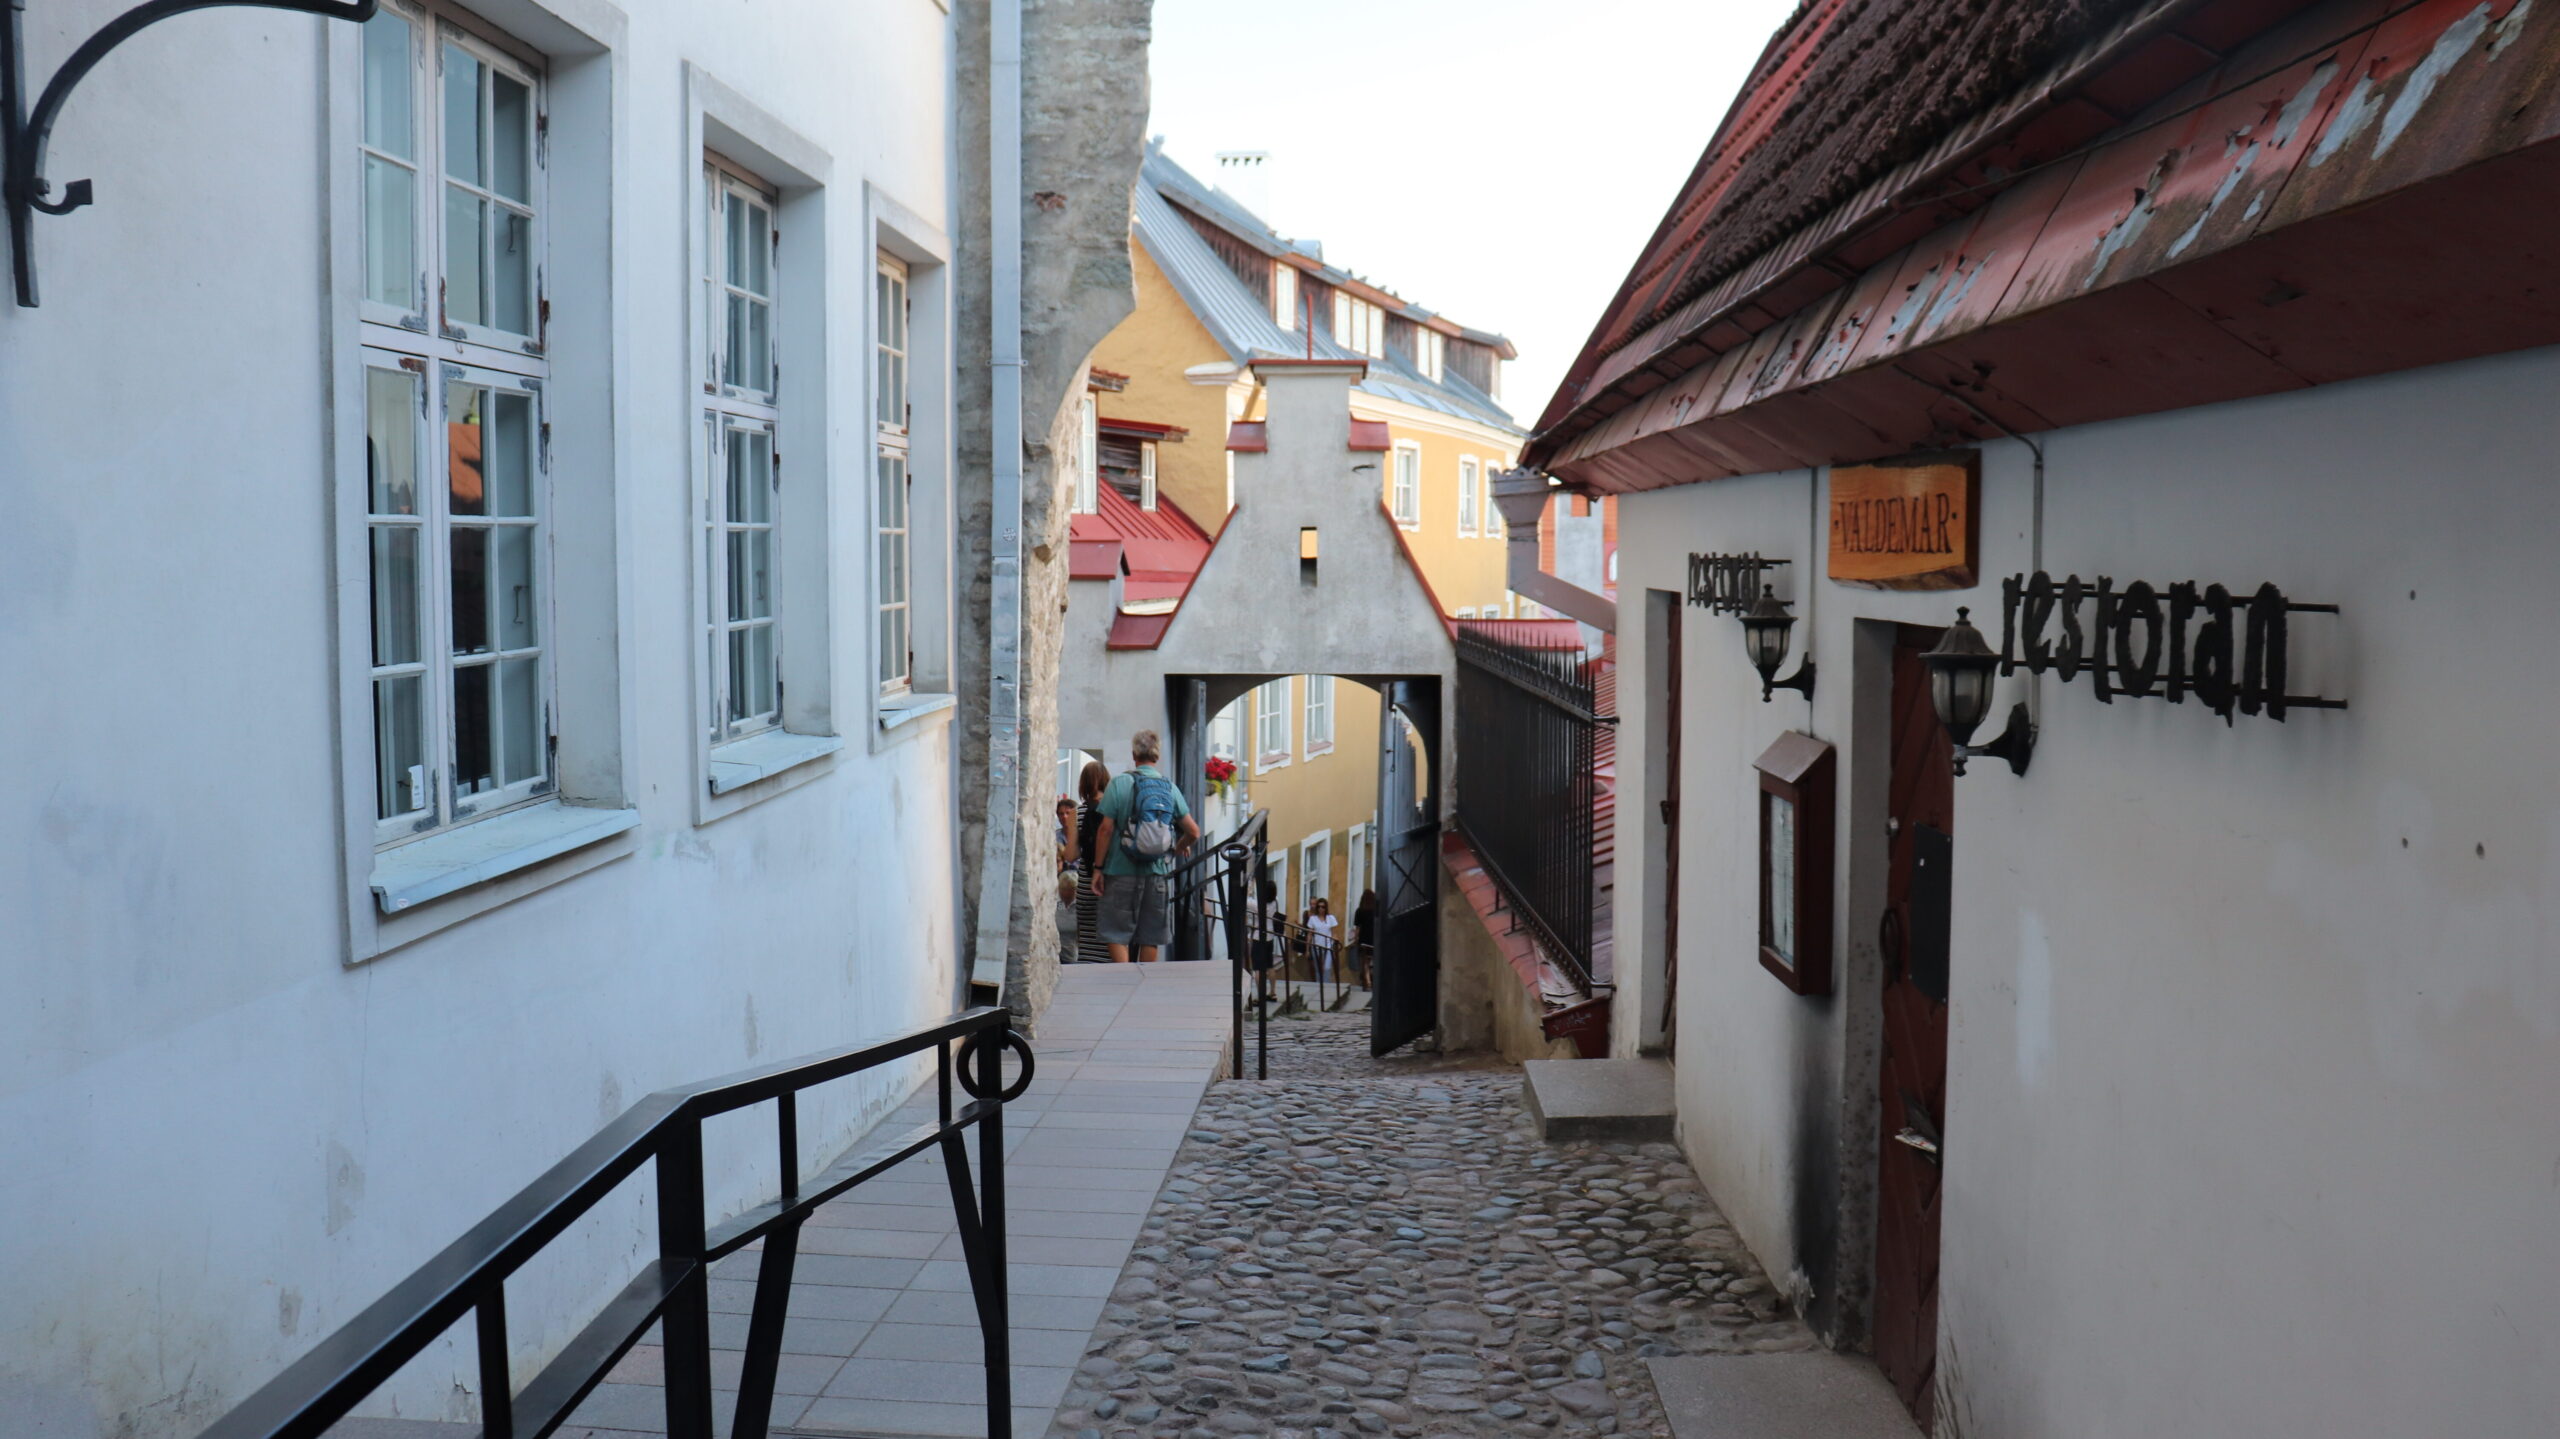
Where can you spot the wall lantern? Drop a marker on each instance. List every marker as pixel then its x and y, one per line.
pixel 23 132
pixel 1960 677
pixel 1764 638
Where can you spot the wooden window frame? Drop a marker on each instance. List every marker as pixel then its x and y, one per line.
pixel 1802 771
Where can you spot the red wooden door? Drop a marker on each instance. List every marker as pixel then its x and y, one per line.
pixel 1671 830
pixel 1912 1078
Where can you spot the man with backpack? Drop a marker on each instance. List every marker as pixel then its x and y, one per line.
pixel 1145 824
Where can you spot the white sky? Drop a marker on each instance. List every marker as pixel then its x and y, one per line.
pixel 1498 161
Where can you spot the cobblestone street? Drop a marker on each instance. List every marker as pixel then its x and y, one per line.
pixel 1386 1247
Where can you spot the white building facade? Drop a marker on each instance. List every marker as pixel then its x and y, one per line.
pixel 478 624
pixel 2191 1080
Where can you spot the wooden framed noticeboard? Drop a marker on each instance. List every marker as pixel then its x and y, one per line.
pixel 1907 525
pixel 1795 862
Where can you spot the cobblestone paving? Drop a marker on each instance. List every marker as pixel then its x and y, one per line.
pixel 1334 1258
pixel 1336 1046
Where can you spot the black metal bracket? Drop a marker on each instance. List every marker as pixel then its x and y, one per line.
pixel 2016 744
pixel 1801 682
pixel 24 131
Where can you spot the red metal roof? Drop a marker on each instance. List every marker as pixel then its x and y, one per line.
pixel 1248 437
pixel 1148 428
pixel 2341 195
pixel 1370 436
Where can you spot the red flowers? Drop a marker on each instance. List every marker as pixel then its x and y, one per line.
pixel 1220 769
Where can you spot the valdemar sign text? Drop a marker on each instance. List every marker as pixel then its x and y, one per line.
pixel 1906 526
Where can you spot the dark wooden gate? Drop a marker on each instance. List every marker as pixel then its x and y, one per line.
pixel 1670 879
pixel 1406 1001
pixel 1912 1076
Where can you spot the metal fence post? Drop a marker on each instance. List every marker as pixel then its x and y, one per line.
pixel 685 1325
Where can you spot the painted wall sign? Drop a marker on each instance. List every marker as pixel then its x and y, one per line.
pixel 1727 584
pixel 2230 652
pixel 1908 526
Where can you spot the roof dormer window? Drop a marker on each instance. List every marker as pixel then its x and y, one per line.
pixel 1430 353
pixel 1359 325
pixel 1284 294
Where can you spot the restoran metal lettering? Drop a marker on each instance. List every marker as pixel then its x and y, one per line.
pixel 2231 653
pixel 1727 584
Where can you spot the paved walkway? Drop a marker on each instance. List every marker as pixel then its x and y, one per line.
pixel 1385 1247
pixel 883 1337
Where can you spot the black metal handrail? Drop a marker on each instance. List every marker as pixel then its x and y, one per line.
pixel 665 1130
pixel 1527 787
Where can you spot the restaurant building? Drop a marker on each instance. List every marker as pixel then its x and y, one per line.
pixel 2181 1064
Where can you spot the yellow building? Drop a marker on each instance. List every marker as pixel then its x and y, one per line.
pixel 1217 289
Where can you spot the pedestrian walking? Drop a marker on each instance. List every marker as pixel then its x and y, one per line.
pixel 1091 781
pixel 1364 934
pixel 1321 925
pixel 1146 824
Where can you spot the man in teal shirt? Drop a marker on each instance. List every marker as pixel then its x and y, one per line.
pixel 1136 890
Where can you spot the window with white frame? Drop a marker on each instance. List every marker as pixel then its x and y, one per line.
pixel 742 627
pixel 1358 324
pixel 1355 875
pixel 1284 295
pixel 1271 724
pixel 1147 475
pixel 1319 717
pixel 893 480
pixel 1408 486
pixel 1468 495
pixel 1315 872
pixel 1430 352
pixel 457 469
pixel 1088 458
pixel 1492 514
pixel 1466 612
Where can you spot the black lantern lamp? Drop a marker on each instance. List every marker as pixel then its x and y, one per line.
pixel 1764 638
pixel 1961 670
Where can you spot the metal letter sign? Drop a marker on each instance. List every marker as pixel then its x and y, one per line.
pixel 2146 642
pixel 1727 584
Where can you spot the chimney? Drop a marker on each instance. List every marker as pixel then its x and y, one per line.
pixel 1246 177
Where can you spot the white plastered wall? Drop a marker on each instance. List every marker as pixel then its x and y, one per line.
pixel 224 1137
pixel 2254 1027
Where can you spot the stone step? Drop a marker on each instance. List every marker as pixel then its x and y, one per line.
pixel 1627 1099
pixel 1814 1395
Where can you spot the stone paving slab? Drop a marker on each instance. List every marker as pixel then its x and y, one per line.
pixel 882 1338
pixel 1599 1098
pixel 1818 1395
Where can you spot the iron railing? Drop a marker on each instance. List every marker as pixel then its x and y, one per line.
pixel 665 1131
pixel 1527 789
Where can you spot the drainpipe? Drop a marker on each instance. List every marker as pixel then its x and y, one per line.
pixel 1004 519
pixel 1522 496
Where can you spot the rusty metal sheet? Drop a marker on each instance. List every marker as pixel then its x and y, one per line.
pixel 2444 84
pixel 2459 267
pixel 2180 189
pixel 1856 313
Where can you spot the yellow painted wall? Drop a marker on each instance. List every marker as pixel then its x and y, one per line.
pixel 1467 571
pixel 1328 792
pixel 1154 346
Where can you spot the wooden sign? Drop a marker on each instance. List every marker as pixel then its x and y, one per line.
pixel 1906 526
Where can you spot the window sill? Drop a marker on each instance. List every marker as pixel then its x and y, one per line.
pixel 477 853
pixel 1316 750
pixel 740 763
pixel 901 710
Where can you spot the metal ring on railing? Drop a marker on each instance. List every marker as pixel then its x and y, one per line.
pixel 964 1062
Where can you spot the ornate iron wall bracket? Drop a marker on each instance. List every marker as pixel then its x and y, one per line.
pixel 24 131
pixel 2016 744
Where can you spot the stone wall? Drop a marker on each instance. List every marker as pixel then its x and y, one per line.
pixel 1084 108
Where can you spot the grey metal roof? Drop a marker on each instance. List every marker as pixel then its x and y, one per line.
pixel 1240 319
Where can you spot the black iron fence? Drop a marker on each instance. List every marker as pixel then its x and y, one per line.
pixel 1527 730
pixel 672 1291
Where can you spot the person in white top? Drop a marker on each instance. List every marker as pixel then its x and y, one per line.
pixel 1320 925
